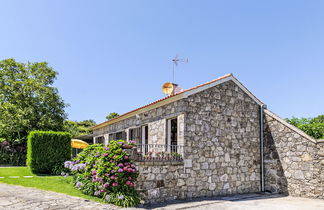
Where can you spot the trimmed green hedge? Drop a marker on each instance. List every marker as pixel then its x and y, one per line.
pixel 47 151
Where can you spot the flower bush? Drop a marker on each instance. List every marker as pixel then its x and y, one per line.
pixel 105 172
pixel 12 153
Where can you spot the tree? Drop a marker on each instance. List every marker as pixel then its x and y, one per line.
pixel 318 119
pixel 28 101
pixel 312 126
pixel 295 121
pixel 79 128
pixel 112 115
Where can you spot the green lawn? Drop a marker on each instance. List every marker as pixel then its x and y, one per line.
pixel 15 171
pixel 51 183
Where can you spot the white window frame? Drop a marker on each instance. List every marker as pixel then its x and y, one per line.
pixel 143 133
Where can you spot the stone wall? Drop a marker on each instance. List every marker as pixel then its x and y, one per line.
pixel 222 152
pixel 157 132
pixel 159 181
pixel 294 162
pixel 222 136
pixel 220 130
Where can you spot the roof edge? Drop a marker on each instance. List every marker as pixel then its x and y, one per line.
pixel 297 130
pixel 178 96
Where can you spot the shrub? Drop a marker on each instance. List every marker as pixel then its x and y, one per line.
pixel 315 130
pixel 47 151
pixel 107 173
pixel 12 153
pixel 312 126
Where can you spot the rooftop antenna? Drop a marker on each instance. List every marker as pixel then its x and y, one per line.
pixel 170 88
pixel 175 62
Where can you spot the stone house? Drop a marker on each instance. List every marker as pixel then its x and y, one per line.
pixel 216 139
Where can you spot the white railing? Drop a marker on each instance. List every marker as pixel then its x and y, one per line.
pixel 159 152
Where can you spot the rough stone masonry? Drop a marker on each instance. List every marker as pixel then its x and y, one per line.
pixel 294 162
pixel 222 153
pixel 219 128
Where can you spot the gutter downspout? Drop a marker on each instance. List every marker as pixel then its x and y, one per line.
pixel 262 107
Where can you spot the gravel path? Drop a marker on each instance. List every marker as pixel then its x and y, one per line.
pixel 17 197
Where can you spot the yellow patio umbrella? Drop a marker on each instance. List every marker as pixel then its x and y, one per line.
pixel 78 144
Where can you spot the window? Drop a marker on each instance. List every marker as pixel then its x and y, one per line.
pixel 117 136
pixel 139 134
pixel 111 137
pixel 172 134
pixel 121 135
pixel 135 135
pixel 100 140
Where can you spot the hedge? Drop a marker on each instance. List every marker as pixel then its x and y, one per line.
pixel 47 151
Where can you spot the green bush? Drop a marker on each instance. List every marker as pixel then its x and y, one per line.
pixel 312 126
pixel 315 130
pixel 107 173
pixel 47 151
pixel 12 153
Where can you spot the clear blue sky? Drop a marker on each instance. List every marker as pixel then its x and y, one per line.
pixel 114 56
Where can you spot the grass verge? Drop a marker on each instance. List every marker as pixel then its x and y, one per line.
pixel 51 183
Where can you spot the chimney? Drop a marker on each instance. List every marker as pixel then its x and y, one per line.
pixel 176 89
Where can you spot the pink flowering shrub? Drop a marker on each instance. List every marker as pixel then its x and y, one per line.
pixel 106 172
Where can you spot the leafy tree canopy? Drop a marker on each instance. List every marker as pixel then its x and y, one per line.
pixel 112 115
pixel 298 121
pixel 312 126
pixel 318 119
pixel 28 101
pixel 79 128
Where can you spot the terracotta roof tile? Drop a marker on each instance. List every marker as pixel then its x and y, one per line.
pixel 162 99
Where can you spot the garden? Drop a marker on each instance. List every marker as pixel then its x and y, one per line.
pixel 106 172
pixel 100 173
pixel 24 177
